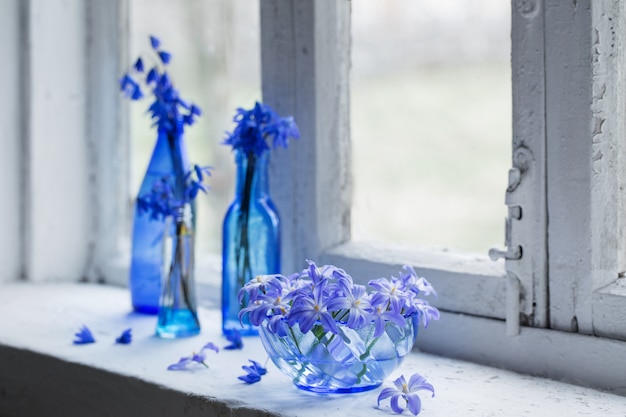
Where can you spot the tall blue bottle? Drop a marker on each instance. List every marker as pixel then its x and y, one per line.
pixel 147 244
pixel 251 237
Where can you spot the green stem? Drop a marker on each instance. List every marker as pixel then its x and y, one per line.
pixel 293 337
pixel 182 232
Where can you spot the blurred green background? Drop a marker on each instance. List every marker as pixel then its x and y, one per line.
pixel 430 111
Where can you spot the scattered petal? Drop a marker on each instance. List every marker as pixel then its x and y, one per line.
pixel 125 338
pixel 211 346
pixel 84 336
pixel 185 363
pixel 260 369
pixel 253 372
pixel 181 365
pixel 250 378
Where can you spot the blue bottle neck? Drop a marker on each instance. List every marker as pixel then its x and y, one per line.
pixel 252 173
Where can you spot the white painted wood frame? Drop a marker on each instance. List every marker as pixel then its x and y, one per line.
pixel 608 170
pixel 526 223
pixel 585 119
pixel 10 140
pixel 65 159
pixel 108 139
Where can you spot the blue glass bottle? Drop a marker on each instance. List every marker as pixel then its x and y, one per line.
pixel 251 237
pixel 147 244
pixel 178 316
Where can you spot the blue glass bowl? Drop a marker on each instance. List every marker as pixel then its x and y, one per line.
pixel 350 361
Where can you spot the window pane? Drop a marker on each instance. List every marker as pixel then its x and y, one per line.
pixel 216 64
pixel 431 121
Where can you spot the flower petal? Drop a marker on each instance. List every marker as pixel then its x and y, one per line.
pixel 181 365
pixel 155 42
pixel 395 406
pixel 386 393
pixel 125 338
pixel 418 382
pixel 211 346
pixel 414 404
pixel 138 65
pixel 166 57
pixel 84 336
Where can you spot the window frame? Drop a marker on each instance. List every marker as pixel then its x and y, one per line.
pixel 506 312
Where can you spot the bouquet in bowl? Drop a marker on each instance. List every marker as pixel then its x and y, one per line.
pixel 332 335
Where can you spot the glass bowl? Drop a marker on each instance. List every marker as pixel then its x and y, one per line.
pixel 351 361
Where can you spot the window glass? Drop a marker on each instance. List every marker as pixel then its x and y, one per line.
pixel 216 64
pixel 431 121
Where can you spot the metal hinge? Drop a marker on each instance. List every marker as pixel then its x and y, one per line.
pixel 522 158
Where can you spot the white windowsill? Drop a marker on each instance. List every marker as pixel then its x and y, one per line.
pixel 43 373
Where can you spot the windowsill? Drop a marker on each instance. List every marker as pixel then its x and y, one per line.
pixel 482 293
pixel 43 373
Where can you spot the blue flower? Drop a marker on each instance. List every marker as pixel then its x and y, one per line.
pixel 425 310
pixel 130 87
pixel 260 285
pixel 258 125
pixel 161 201
pixel 125 338
pixel 412 282
pixel 389 293
pixel 186 362
pixel 155 42
pixel 381 316
pixel 84 336
pixel 408 392
pixel 138 65
pixel 253 372
pixel 169 112
pixel 234 337
pixel 281 131
pixel 166 57
pixel 309 309
pixel 196 185
pixel 326 296
pixel 358 306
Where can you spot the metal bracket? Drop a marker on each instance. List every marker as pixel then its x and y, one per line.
pixel 521 161
pixel 513 253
